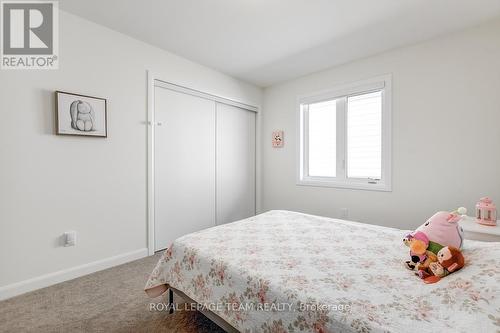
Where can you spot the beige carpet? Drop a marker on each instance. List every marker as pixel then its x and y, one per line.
pixel 112 300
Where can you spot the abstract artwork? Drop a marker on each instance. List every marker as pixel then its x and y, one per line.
pixel 278 139
pixel 80 115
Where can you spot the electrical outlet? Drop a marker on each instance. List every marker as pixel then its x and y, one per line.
pixel 70 238
pixel 344 213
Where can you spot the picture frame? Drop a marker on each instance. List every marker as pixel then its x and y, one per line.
pixel 81 115
pixel 278 139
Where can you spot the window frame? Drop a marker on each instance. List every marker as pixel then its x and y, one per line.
pixel 341 93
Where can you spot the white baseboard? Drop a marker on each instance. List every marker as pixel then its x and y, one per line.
pixel 50 279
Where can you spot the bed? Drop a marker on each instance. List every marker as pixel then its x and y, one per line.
pixel 284 271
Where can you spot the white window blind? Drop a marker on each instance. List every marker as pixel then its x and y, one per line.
pixel 345 137
pixel 364 136
pixel 323 139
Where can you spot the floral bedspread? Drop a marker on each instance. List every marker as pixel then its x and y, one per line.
pixel 283 271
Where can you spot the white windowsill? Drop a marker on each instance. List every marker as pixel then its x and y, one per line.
pixel 345 185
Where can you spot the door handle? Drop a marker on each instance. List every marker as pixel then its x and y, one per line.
pixel 159 123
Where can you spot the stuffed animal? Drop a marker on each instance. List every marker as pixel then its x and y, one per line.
pixel 418 244
pixel 442 229
pixel 449 260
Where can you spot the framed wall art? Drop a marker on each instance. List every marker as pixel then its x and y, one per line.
pixel 278 139
pixel 81 115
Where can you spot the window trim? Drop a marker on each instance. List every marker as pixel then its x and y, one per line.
pixel 382 83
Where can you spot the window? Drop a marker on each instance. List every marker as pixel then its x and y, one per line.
pixel 322 143
pixel 345 137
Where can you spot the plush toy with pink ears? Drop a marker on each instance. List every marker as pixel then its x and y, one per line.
pixel 441 230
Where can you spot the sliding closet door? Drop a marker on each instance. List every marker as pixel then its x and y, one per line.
pixel 184 165
pixel 235 163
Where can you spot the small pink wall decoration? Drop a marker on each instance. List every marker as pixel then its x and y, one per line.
pixel 278 139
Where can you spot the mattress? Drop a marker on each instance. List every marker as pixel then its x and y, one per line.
pixel 284 271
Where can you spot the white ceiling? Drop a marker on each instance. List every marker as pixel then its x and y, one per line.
pixel 269 41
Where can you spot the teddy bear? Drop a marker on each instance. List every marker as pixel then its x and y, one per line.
pixel 449 260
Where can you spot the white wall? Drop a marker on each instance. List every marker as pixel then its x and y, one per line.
pixel 446 132
pixel 50 184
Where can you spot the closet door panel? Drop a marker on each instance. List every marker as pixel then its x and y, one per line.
pixel 184 165
pixel 235 163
